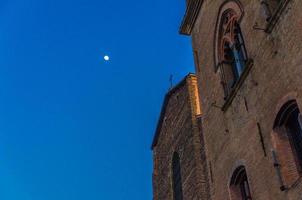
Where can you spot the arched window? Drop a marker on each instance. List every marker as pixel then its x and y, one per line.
pixel 231 55
pixel 287 140
pixel 176 178
pixel 289 118
pixel 239 185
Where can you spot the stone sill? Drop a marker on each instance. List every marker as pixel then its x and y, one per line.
pixel 231 96
pixel 275 18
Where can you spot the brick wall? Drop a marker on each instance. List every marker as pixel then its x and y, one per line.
pixel 179 131
pixel 232 137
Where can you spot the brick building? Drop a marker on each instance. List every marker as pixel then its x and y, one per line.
pixel 179 167
pixel 248 59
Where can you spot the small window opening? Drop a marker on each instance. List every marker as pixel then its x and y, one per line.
pixel 239 187
pixel 176 173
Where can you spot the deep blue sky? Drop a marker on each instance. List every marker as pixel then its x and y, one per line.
pixel 72 126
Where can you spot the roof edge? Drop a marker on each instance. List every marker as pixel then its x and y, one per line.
pixel 164 105
pixel 189 19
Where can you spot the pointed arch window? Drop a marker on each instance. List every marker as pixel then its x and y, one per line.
pixel 176 178
pixel 289 119
pixel 287 140
pixel 239 186
pixel 232 55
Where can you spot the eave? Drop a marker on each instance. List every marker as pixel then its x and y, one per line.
pixel 192 11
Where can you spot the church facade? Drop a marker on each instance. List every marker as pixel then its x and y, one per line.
pixel 246 144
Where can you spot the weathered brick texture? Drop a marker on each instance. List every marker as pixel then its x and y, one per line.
pixel 239 132
pixel 179 131
pixel 232 137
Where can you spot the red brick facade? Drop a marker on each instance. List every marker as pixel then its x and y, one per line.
pixel 178 132
pixel 246 125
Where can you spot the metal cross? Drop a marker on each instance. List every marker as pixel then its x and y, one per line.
pixel 171 81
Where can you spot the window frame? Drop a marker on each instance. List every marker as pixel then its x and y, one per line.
pixel 283 119
pixel 285 144
pixel 231 48
pixel 234 7
pixel 239 186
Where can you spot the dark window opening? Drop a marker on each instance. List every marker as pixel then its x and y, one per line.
pixel 239 185
pixel 239 47
pixel 289 117
pixel 177 184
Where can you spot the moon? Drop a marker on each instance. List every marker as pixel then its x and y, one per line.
pixel 106 58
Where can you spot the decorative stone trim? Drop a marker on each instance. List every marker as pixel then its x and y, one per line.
pixel 234 5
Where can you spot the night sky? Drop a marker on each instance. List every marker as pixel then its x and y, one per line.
pixel 73 126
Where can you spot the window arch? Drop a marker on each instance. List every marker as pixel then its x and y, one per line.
pixel 176 178
pixel 287 141
pixel 239 186
pixel 230 52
